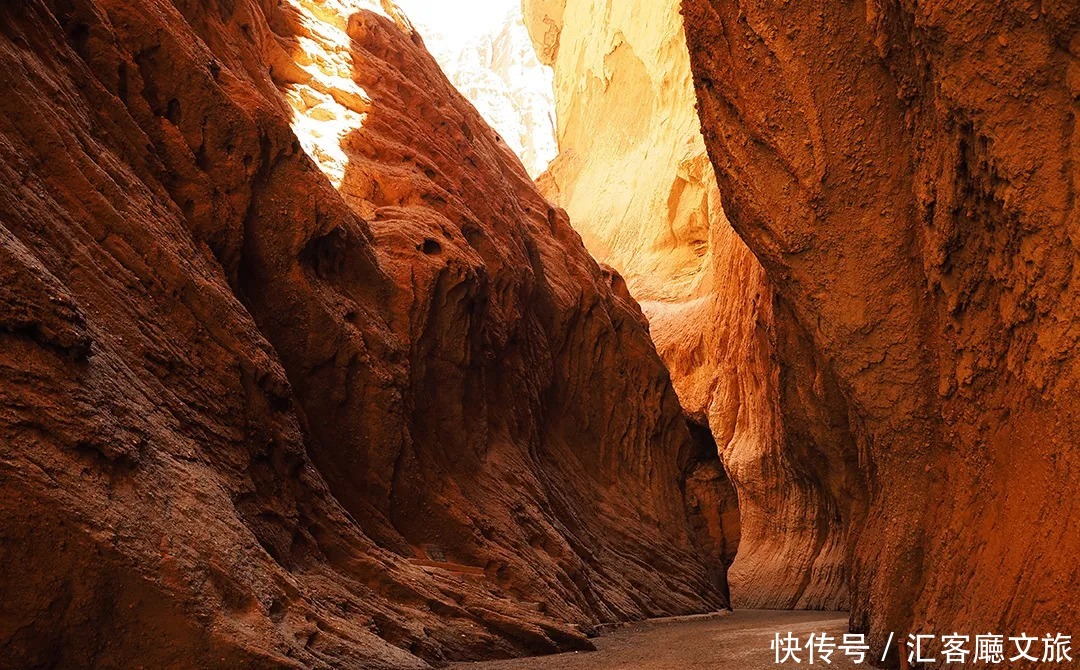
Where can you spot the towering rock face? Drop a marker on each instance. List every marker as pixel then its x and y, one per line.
pixel 907 174
pixel 632 169
pixel 248 419
pixel 498 72
pixel 634 175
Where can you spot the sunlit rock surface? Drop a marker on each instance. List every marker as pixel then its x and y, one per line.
pixel 907 174
pixel 634 175
pixel 297 367
pixel 498 72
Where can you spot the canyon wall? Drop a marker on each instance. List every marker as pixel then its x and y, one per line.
pixel 634 175
pixel 906 172
pixel 297 367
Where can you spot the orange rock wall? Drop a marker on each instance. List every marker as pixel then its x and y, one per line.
pixel 907 173
pixel 251 419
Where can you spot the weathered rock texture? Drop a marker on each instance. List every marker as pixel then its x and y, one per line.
pixel 249 421
pixel 634 175
pixel 906 172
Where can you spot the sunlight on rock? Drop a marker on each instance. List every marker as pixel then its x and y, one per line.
pixel 487 55
pixel 329 105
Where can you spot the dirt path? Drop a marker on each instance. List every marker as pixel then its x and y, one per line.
pixel 738 641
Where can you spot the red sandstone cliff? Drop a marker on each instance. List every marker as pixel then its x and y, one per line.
pixel 906 172
pixel 247 419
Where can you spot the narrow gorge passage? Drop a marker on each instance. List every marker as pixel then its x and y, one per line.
pixel 637 334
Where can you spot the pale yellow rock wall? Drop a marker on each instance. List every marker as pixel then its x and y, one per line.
pixel 634 175
pixel 625 109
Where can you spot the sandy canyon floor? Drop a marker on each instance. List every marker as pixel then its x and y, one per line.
pixel 736 641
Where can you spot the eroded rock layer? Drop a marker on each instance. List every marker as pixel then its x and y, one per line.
pixel 247 420
pixel 634 174
pixel 907 174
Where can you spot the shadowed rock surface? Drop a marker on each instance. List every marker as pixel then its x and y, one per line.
pixel 906 172
pixel 249 421
pixel 634 174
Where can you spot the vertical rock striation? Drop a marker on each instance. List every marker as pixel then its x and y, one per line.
pixel 248 419
pixel 634 175
pixel 907 173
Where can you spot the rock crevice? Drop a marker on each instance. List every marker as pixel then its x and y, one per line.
pixel 635 176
